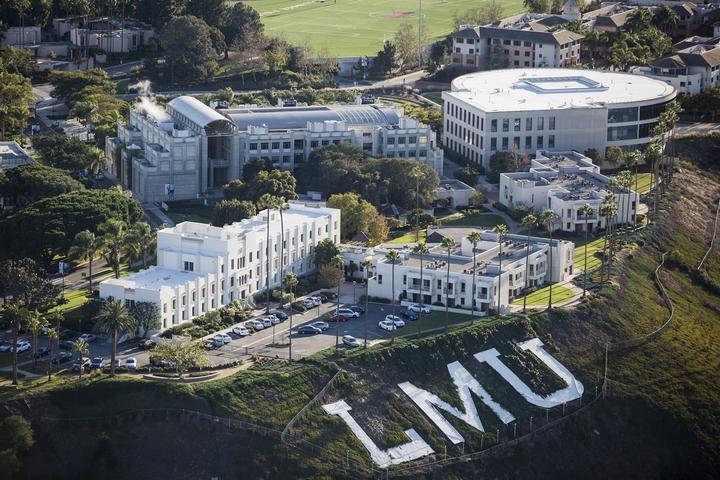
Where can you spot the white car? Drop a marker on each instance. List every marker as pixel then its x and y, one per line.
pixel 385 325
pixel 267 323
pixel 88 337
pixel 316 300
pixel 255 324
pixel 23 346
pixel 348 313
pixel 350 341
pixel 222 337
pixel 309 303
pixel 240 331
pixel 399 322
pixel 418 308
pixel 131 363
pixel 273 319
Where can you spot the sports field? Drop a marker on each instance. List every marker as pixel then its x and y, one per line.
pixel 359 27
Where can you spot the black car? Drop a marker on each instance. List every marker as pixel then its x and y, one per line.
pixel 308 330
pixel 62 357
pixel 282 316
pixel 323 298
pixel 357 308
pixel 42 352
pixel 409 315
pixel 146 344
pixel 67 344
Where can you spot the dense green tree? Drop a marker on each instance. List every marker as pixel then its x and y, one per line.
pixel 241 25
pixel 253 167
pixel 467 175
pixel 235 190
pixel 34 181
pixel 182 355
pixel 15 95
pixel 86 246
pixel 430 116
pixel 157 12
pixel 637 48
pixel 46 228
pixel 113 319
pixel 188 45
pixel 385 60
pixel 69 153
pixel 211 11
pixel 420 218
pixel 232 210
pixel 538 6
pixel 16 60
pixel 78 85
pixel 141 240
pixel 481 15
pixel 504 162
pixel 16 438
pixel 147 317
pixel 407 45
pixel 325 251
pixel 114 242
pixel 278 183
pixel 358 215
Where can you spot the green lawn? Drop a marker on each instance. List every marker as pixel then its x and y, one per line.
pixel 359 27
pixel 644 181
pixel 408 237
pixel 75 299
pixel 434 96
pixel 435 319
pixel 540 297
pixel 190 213
pixel 488 220
pixel 593 261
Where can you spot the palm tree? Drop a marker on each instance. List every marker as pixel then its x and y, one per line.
pixel 367 265
pixel 140 240
pixel 113 319
pixel 449 243
pixel 34 326
pixel 416 173
pixel 291 281
pixel 97 160
pixel 282 206
pixel 548 218
pixel 422 250
pixel 664 18
pixel 114 241
pixel 632 159
pixel 608 209
pixel 474 237
pixel 52 335
pixel 586 211
pixel 81 347
pixel 392 257
pixel 501 230
pixel 16 316
pixel 338 262
pixel 529 221
pixel 268 202
pixel 85 246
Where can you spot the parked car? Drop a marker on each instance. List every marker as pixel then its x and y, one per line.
pixel 131 363
pixel 147 344
pixel 23 346
pixel 88 337
pixel 308 330
pixel 85 365
pixel 267 323
pixel 348 312
pixel 338 318
pixel 282 316
pixel 309 303
pixel 61 357
pixel 66 344
pixel 5 346
pixel 255 324
pixel 273 319
pixel 66 334
pixel 155 362
pixel 321 325
pixel 385 325
pixel 208 345
pixel 42 352
pixel 97 362
pixel 409 315
pixel 350 341
pixel 316 300
pixel 240 331
pixel 357 308
pixel 222 337
pixel 45 328
pixel 418 308
pixel 399 322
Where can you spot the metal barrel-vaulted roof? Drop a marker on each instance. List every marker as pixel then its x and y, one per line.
pixel 195 111
pixel 294 118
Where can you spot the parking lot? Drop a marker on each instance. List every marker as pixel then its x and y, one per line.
pixel 270 342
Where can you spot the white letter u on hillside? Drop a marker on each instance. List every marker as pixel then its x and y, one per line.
pixel 572 391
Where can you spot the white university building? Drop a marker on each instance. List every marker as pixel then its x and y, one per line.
pixel 529 109
pixel 491 278
pixel 202 268
pixel 189 149
pixel 563 182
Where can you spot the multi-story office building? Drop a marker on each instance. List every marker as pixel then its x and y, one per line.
pixel 564 182
pixel 202 268
pixel 493 278
pixel 533 109
pixel 190 149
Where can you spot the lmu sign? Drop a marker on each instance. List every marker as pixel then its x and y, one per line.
pixel 466 385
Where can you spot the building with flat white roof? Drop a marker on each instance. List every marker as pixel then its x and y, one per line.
pixel 189 149
pixel 13 155
pixel 202 268
pixel 432 288
pixel 564 182
pixel 533 109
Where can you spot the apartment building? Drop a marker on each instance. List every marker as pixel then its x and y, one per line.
pixel 691 67
pixel 564 182
pixel 495 275
pixel 188 149
pixel 201 268
pixel 535 109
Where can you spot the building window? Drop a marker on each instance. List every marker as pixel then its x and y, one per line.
pixel 275 145
pixel 528 123
pixel 516 142
pixel 379 279
pixel 506 124
pixel 189 266
pixel 540 141
pixel 551 123
pixel 264 146
pixel 286 145
pixel 528 143
pixel 622 133
pixel 253 146
pixel 551 141
pixel 619 115
pixel 493 144
pixel 516 125
pixel 541 123
pixel 505 143
pixel 493 125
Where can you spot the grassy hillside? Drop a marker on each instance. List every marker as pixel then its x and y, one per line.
pixel 359 27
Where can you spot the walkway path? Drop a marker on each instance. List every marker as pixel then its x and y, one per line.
pixel 159 213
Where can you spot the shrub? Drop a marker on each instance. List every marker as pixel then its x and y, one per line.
pixel 374 299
